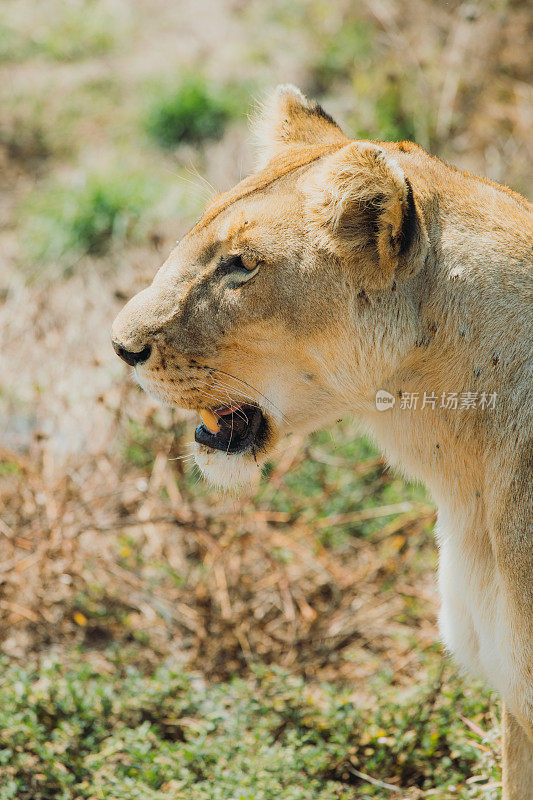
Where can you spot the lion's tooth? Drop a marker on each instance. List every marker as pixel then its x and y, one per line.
pixel 210 421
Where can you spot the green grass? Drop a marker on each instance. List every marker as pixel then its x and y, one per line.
pixel 352 56
pixel 63 223
pixel 83 32
pixel 192 112
pixel 138 446
pixel 73 732
pixel 327 483
pixel 60 31
pixel 341 54
pixel 14 46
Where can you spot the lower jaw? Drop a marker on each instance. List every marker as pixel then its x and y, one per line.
pixel 237 471
pixel 231 473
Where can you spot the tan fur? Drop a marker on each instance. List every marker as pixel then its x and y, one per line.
pixel 289 121
pixel 517 761
pixel 380 268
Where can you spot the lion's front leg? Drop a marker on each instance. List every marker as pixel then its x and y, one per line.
pixel 493 639
pixel 517 760
pixel 486 584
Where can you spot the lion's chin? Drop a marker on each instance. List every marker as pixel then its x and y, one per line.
pixel 228 472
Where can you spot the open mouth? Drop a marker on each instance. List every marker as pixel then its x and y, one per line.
pixel 233 429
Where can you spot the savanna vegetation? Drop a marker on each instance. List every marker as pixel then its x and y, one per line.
pixel 160 640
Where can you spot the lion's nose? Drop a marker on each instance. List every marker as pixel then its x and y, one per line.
pixel 131 357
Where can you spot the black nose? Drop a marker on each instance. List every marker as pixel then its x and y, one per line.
pixel 131 357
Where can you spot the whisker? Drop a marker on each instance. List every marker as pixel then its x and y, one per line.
pixel 253 390
pixel 217 382
pixel 239 411
pixel 226 386
pixel 209 394
pixel 220 400
pixel 230 436
pixel 194 169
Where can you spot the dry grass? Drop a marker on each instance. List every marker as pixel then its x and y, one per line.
pixel 111 552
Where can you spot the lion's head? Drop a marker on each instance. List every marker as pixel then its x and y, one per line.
pixel 283 308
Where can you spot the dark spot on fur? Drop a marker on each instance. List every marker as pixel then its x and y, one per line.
pixel 478 494
pixel 477 373
pixel 433 328
pixel 393 287
pixel 437 446
pixel 362 296
pixel 463 333
pixel 407 233
pixel 495 360
pixel 208 254
pixel 316 110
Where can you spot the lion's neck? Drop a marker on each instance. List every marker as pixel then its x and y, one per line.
pixel 467 377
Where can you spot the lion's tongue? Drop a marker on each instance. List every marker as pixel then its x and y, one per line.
pixel 223 410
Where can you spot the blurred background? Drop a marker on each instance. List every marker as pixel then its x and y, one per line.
pixel 160 640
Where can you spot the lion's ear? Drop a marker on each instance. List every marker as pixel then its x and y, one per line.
pixel 362 209
pixel 288 119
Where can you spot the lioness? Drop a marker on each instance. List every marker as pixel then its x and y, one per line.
pixel 370 278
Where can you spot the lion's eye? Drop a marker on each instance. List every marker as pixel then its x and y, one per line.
pixel 239 268
pixel 249 262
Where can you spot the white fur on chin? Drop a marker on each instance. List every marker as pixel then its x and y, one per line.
pixel 227 472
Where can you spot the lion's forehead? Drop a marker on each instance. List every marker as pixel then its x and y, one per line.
pixel 267 222
pixel 280 167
